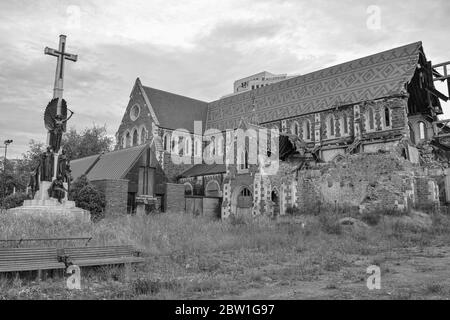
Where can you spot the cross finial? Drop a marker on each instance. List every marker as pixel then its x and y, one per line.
pixel 62 55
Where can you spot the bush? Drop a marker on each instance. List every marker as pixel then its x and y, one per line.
pixel 293 211
pixel 88 197
pixel 15 200
pixel 330 224
pixel 371 218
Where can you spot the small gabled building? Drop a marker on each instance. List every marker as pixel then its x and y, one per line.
pixel 126 176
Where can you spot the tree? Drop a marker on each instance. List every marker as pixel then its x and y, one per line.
pixel 88 197
pixel 89 142
pixel 18 170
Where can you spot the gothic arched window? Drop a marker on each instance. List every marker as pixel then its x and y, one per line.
pixel 370 119
pixel 143 135
pixel 135 138
pixel 331 126
pixel 422 131
pixel 128 140
pixel 307 130
pixel 387 117
pixel 344 125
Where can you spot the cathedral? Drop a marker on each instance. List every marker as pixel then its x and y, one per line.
pixel 382 104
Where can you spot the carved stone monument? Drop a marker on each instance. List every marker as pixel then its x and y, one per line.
pixel 50 181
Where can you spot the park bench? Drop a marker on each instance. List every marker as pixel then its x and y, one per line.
pixel 99 256
pixel 29 259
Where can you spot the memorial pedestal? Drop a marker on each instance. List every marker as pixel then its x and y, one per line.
pixel 44 206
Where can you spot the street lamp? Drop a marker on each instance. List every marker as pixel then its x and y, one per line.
pixel 7 143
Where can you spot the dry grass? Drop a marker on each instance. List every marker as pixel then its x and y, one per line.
pixel 194 258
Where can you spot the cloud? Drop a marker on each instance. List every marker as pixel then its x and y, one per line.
pixel 194 48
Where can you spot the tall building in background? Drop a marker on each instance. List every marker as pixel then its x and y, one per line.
pixel 258 80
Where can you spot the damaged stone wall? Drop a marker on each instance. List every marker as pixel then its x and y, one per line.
pixel 366 182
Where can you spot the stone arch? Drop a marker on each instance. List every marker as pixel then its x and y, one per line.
pixel 188 189
pixel 212 189
pixel 240 200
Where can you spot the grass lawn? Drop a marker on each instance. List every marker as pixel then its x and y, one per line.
pixel 193 258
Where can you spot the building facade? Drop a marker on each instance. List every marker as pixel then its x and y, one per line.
pixel 378 105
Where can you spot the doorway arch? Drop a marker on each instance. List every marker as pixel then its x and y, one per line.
pixel 242 201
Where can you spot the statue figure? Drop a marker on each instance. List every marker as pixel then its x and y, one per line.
pixel 47 168
pixel 62 163
pixel 57 189
pixel 34 181
pixel 42 164
pixel 57 131
pixel 68 175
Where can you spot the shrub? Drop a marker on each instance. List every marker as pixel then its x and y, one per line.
pixel 88 197
pixel 15 200
pixel 371 218
pixel 330 224
pixel 293 211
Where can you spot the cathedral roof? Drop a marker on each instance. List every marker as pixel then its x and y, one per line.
pixel 374 77
pixel 174 111
pixel 108 166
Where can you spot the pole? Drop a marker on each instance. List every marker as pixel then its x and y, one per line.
pixel 7 142
pixel 4 177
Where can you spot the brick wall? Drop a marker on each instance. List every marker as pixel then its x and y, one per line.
pixel 366 182
pixel 175 201
pixel 116 194
pixel 427 191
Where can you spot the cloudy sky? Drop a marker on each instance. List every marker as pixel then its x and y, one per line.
pixel 195 48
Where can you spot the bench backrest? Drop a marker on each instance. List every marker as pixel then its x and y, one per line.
pixel 82 253
pixel 23 255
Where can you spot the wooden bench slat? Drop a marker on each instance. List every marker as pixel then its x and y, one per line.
pixel 110 261
pixel 30 259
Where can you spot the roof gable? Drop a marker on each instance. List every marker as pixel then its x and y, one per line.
pixel 373 77
pixel 108 166
pixel 175 111
pixel 83 165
